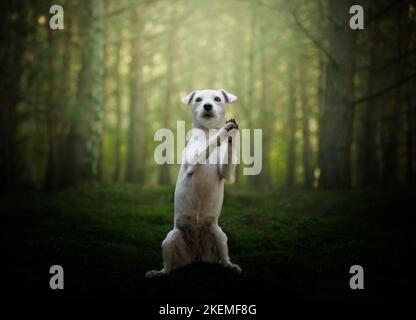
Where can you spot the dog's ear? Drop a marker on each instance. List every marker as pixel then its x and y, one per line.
pixel 188 98
pixel 229 98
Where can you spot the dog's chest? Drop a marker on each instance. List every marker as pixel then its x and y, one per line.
pixel 205 179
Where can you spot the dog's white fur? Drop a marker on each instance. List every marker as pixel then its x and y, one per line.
pixel 199 193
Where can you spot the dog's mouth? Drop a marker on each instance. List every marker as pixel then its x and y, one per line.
pixel 208 115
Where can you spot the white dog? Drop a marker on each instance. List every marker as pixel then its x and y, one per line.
pixel 209 159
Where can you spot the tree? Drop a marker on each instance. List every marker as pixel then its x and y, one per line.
pixel 58 96
pixel 291 126
pixel 83 142
pixel 96 103
pixel 393 111
pixel 306 134
pixel 15 26
pixel 337 113
pixel 118 137
pixel 135 148
pixel 368 150
pixel 164 172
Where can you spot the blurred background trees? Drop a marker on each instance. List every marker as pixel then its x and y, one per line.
pixel 82 104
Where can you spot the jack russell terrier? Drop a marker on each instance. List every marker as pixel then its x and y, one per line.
pixel 210 157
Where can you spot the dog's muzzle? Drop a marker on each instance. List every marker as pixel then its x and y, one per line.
pixel 208 114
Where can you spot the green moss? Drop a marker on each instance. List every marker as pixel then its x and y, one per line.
pixel 297 242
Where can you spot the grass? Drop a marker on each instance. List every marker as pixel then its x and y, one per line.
pixel 291 243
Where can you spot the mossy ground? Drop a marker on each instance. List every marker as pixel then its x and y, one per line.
pixel 290 243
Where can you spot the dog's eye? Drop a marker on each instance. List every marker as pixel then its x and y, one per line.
pixel 198 100
pixel 217 99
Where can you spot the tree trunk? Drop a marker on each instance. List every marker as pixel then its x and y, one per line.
pixel 291 126
pixel 266 116
pixel 164 173
pixel 393 113
pixel 96 103
pixel 408 101
pixel 251 62
pixel 306 134
pixel 323 28
pixel 59 80
pixel 117 147
pixel 52 171
pixel 410 135
pixel 252 180
pixel 77 164
pixel 367 153
pixel 336 120
pixel 412 140
pixel 135 156
pixel 12 43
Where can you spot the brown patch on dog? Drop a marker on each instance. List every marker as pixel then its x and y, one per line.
pixel 197 238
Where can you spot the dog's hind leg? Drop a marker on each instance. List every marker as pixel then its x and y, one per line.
pixel 175 254
pixel 209 250
pixel 221 242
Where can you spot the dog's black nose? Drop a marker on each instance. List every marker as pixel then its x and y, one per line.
pixel 207 107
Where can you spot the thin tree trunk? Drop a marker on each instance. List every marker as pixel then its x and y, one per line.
pixel 412 140
pixel 394 111
pixel 336 120
pixel 252 180
pixel 367 153
pixel 408 104
pixel 306 134
pixel 12 44
pixel 410 136
pixel 76 141
pixel 322 6
pixel 291 126
pixel 266 117
pixel 94 142
pixel 135 158
pixel 164 173
pixel 59 80
pixel 52 168
pixel 117 148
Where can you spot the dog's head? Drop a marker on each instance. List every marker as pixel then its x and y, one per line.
pixel 208 107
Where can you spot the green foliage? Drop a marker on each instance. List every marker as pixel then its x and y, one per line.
pixel 83 103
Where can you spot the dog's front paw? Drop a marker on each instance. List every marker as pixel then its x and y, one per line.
pixel 234 267
pixel 233 131
pixel 231 124
pixel 154 274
